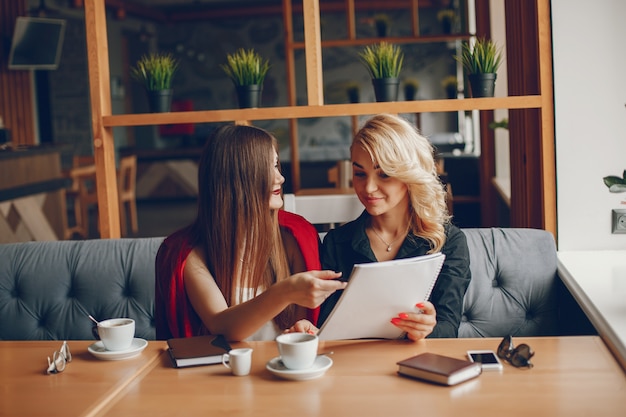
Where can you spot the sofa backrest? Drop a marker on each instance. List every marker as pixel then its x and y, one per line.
pixel 47 289
pixel 514 283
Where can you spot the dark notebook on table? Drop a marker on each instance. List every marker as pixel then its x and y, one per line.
pixel 440 369
pixel 197 350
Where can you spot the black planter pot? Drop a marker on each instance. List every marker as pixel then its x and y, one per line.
pixel 160 101
pixel 249 96
pixel 386 89
pixel 482 85
pixel 382 29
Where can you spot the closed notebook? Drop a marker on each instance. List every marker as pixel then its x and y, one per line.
pixel 197 350
pixel 439 369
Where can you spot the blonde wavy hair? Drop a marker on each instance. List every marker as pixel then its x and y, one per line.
pixel 403 153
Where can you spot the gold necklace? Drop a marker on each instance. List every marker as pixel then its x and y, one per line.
pixel 394 241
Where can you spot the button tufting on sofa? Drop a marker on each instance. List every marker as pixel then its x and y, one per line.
pixel 48 288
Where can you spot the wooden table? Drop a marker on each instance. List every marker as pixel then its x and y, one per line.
pixel 572 376
pixel 82 389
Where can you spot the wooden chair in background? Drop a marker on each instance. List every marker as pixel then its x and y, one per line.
pixel 325 210
pixel 126 189
pixel 84 197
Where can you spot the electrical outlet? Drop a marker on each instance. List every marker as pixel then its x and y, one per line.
pixel 619 221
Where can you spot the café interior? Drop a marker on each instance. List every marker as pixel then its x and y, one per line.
pixel 55 108
pixel 84 157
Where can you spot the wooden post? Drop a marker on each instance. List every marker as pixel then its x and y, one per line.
pixel 103 144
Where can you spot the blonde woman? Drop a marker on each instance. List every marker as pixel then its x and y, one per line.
pixel 240 269
pixel 395 178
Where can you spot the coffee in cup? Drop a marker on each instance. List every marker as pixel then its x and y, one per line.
pixel 297 350
pixel 116 334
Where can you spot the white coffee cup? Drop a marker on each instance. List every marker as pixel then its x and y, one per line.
pixel 238 360
pixel 297 350
pixel 116 334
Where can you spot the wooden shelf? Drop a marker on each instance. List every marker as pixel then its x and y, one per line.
pixel 103 121
pixel 395 40
pixel 328 110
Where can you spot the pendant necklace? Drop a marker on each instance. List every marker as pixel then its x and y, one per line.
pixel 391 243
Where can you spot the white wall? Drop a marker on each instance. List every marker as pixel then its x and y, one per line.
pixel 590 119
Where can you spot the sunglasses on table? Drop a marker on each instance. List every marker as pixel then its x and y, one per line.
pixel 516 356
pixel 60 358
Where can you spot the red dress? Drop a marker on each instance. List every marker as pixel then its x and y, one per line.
pixel 173 313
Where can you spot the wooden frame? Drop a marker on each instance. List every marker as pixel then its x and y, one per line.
pixel 103 121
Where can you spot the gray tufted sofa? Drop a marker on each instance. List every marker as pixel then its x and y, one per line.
pixel 47 289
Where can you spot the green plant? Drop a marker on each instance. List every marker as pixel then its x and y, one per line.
pixel 502 124
pixel 483 58
pixel 382 18
pixel 383 60
pixel 615 183
pixel 246 67
pixel 353 89
pixel 446 15
pixel 449 81
pixel 410 88
pixel 155 71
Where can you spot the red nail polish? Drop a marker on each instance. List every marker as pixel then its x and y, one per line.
pixel 419 305
pixel 403 316
pixel 395 320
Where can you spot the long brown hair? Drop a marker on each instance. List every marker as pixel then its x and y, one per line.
pixel 235 227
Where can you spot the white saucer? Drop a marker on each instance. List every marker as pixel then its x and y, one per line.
pixel 135 349
pixel 319 368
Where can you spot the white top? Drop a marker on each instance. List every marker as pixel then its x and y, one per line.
pixel 597 280
pixel 269 330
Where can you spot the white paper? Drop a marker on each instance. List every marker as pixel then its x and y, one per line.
pixel 376 293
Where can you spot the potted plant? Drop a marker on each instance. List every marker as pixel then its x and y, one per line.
pixel 382 22
pixel 481 63
pixel 450 86
pixel 352 90
pixel 410 89
pixel 447 18
pixel 155 71
pixel 384 62
pixel 247 70
pixel 615 183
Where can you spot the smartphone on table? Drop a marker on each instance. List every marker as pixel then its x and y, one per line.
pixel 488 359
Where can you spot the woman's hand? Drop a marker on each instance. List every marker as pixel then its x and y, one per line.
pixel 310 289
pixel 417 325
pixel 302 326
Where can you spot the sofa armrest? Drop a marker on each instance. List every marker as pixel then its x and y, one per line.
pixel 513 287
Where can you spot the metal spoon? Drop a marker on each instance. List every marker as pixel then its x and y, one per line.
pixel 92 319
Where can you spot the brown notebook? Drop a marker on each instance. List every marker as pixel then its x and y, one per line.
pixel 440 369
pixel 197 350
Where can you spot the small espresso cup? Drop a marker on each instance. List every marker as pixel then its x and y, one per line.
pixel 116 334
pixel 238 361
pixel 297 350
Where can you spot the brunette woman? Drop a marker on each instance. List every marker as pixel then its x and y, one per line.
pixel 243 268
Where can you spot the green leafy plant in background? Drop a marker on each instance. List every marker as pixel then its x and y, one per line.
pixel 484 58
pixel 383 60
pixel 615 183
pixel 155 71
pixel 246 67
